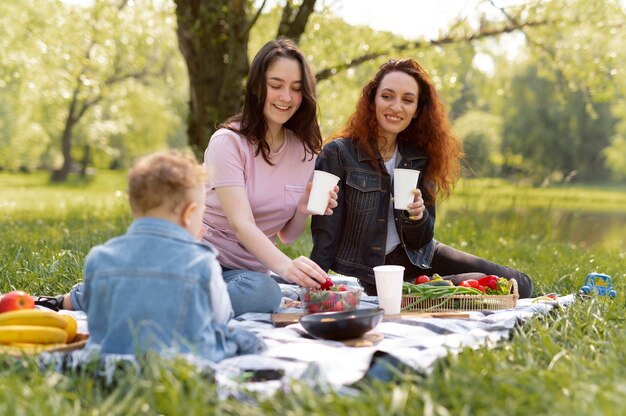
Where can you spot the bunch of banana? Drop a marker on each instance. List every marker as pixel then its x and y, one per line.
pixel 35 329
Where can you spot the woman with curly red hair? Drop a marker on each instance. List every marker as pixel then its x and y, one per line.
pixel 399 122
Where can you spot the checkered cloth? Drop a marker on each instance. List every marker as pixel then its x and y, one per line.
pixel 409 343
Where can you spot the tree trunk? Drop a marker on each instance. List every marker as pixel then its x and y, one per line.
pixel 60 175
pixel 213 38
pixel 84 164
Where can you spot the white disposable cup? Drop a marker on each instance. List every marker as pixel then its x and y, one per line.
pixel 323 183
pixel 404 182
pixel 389 287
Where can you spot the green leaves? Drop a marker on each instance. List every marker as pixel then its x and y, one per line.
pixel 113 75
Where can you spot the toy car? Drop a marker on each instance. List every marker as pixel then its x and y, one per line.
pixel 598 283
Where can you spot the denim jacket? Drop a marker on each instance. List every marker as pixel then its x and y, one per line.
pixel 352 240
pixel 157 288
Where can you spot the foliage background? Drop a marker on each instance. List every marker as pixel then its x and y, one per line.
pixel 553 114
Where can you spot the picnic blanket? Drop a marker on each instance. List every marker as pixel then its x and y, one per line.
pixel 409 343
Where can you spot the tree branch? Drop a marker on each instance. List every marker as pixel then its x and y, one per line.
pixel 292 26
pixel 87 104
pixel 446 40
pixel 561 76
pixel 243 34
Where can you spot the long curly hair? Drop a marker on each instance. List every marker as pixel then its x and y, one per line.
pixel 252 123
pixel 430 130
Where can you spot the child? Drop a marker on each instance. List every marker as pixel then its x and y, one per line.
pixel 157 287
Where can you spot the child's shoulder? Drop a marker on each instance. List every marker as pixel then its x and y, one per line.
pixel 201 249
pixel 109 247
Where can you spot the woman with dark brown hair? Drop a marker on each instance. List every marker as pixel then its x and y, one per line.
pixel 262 161
pixel 399 122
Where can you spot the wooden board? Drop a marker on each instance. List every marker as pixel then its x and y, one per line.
pixel 368 340
pixel 283 319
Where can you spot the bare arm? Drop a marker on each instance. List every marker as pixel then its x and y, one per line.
pixel 302 271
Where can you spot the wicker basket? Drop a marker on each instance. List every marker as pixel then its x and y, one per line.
pixel 463 302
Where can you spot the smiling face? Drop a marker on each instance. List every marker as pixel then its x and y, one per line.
pixel 284 92
pixel 395 103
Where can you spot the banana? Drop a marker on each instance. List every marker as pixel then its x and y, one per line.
pixel 32 317
pixel 71 328
pixel 11 334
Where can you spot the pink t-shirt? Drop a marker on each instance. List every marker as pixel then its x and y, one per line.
pixel 273 191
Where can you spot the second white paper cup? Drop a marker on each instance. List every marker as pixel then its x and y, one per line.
pixel 404 181
pixel 323 183
pixel 389 280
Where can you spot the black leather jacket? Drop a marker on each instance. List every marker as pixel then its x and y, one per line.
pixel 352 240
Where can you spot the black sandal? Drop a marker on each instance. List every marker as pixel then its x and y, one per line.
pixel 51 302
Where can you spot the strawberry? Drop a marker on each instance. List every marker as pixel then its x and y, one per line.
pixel 339 297
pixel 351 299
pixel 314 308
pixel 327 284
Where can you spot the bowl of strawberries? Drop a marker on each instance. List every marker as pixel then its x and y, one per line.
pixel 331 297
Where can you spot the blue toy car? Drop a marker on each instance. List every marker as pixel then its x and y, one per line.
pixel 598 283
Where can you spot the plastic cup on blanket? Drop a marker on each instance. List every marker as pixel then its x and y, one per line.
pixel 323 183
pixel 389 280
pixel 404 181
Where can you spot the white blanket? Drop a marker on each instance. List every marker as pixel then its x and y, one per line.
pixel 414 342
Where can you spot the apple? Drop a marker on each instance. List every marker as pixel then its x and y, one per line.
pixel 15 300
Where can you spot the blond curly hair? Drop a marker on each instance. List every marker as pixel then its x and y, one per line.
pixel 163 179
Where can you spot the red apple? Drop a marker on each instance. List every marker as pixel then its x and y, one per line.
pixel 17 299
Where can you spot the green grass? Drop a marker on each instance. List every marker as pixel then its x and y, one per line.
pixel 571 362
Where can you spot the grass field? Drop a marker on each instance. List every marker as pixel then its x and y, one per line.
pixel 569 363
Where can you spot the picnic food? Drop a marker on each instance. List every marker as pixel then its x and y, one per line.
pixel 495 285
pixel 422 279
pixel 72 327
pixel 436 292
pixel 32 317
pixel 16 299
pixel 32 334
pixel 33 326
pixel 327 284
pixel 336 298
pixel 468 295
pixel 438 281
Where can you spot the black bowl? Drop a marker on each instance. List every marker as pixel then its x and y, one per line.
pixel 341 325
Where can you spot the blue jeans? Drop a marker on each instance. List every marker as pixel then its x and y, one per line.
pixel 251 291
